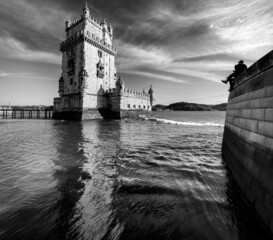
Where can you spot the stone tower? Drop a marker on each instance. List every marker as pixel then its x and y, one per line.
pixel 88 86
pixel 88 64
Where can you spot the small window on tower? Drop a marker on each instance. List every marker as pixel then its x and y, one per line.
pixel 71 81
pixel 99 53
pixel 128 105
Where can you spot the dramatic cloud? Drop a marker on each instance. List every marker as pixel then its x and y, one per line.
pixel 180 42
pixel 12 48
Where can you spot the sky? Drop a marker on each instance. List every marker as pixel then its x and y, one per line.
pixel 183 48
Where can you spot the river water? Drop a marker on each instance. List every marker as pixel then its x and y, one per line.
pixel 158 178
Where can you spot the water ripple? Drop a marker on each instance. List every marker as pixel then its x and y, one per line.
pixel 117 180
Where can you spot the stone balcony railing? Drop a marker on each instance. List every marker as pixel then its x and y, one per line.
pixel 91 38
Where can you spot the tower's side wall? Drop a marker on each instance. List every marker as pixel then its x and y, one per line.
pixel 248 136
pixel 96 85
pixel 125 104
pixel 67 107
pixel 93 28
pixel 135 101
pixel 74 87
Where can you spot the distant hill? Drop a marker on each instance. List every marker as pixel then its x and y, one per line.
pixel 185 106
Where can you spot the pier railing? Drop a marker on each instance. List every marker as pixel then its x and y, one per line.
pixel 25 112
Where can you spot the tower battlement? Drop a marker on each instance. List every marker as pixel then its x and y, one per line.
pixel 128 92
pixel 91 38
pixel 71 24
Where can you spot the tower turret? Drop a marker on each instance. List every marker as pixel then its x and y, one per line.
pixel 67 26
pixel 104 29
pixel 151 92
pixel 86 11
pixel 110 30
pixel 120 85
pixel 67 23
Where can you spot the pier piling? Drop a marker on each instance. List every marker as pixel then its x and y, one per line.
pixel 8 112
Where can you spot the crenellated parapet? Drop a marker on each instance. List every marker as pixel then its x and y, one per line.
pixel 90 38
pixel 128 93
pixel 99 24
pixel 71 24
pixel 133 93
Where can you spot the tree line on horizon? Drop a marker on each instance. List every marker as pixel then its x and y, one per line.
pixel 185 106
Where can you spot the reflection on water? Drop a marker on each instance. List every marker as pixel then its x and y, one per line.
pixel 117 180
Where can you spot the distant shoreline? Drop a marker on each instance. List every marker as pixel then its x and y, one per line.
pixel 185 106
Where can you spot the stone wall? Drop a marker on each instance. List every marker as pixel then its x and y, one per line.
pixel 129 100
pixel 72 82
pixel 248 137
pixel 134 102
pixel 69 102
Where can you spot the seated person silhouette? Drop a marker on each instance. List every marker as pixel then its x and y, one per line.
pixel 239 68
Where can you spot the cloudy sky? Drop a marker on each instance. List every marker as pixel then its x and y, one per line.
pixel 181 47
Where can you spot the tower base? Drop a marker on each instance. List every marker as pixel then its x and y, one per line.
pixel 99 113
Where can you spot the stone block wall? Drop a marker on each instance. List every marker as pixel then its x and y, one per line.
pixel 135 102
pixel 248 137
pixel 68 103
pixel 129 100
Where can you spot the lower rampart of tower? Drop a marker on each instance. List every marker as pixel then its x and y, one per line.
pixel 110 104
pixel 125 103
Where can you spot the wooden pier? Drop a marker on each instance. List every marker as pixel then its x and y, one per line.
pixel 15 112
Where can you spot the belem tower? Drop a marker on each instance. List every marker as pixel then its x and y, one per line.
pixel 89 86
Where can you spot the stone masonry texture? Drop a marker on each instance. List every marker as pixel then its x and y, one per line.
pixel 248 137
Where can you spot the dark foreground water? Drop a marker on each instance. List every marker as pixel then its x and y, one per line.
pixel 152 179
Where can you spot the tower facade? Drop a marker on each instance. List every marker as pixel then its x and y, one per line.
pixel 87 86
